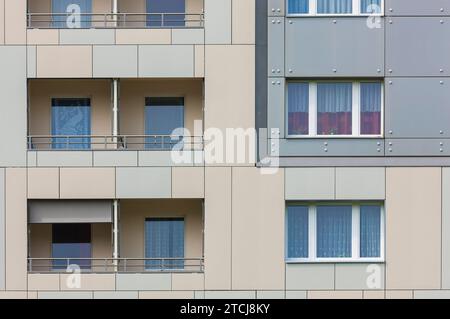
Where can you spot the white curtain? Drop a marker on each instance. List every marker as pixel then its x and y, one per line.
pixel 370 229
pixel 334 6
pixel 334 97
pixel 297 226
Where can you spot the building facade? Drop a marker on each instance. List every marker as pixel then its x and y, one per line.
pixel 224 149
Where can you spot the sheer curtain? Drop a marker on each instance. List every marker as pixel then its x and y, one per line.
pixel 370 6
pixel 370 221
pixel 164 238
pixel 334 108
pixel 71 117
pixel 334 231
pixel 297 226
pixel 156 7
pixel 298 6
pixel 334 6
pixel 298 108
pixel 63 6
pixel 371 108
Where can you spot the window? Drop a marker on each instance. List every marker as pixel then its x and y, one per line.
pixel 334 7
pixel 164 238
pixel 166 13
pixel 334 109
pixel 334 232
pixel 72 242
pixel 71 118
pixel 71 13
pixel 162 117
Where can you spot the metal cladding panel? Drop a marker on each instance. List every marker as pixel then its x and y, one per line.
pixel 276 7
pixel 276 109
pixel 276 46
pixel 417 7
pixel 417 147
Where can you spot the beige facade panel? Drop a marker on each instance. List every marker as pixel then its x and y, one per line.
pixel 413 228
pixel 164 158
pixel 87 183
pixel 166 294
pixel 42 36
pixel 15 23
pixel 188 36
pixel 243 21
pixel 83 295
pixel 143 36
pixel 144 182
pixel 310 276
pixel 64 61
pixel 31 61
pixel 446 228
pixel 270 294
pixel 2 22
pixel 63 158
pixel 188 282
pixel 16 228
pixel 43 183
pixel 188 182
pixel 43 282
pixel 86 36
pixel 257 210
pixel 88 282
pixel 166 61
pixel 218 228
pixel 335 294
pixel 116 295
pixel 374 294
pixel 218 21
pixel 399 294
pixel 124 58
pixel 13 295
pixel 310 183
pixel 199 71
pixel 360 183
pixel 235 294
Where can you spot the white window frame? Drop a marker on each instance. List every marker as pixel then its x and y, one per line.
pixel 356 11
pixel 356 114
pixel 356 235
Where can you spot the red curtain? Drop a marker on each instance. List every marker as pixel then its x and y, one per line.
pixel 298 123
pixel 334 123
pixel 371 123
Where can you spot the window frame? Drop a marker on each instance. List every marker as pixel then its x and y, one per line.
pixel 356 234
pixel 312 111
pixel 312 12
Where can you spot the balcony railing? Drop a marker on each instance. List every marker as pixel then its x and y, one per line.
pixel 119 142
pixel 114 20
pixel 113 265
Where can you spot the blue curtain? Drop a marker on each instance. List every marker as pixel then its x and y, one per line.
pixel 334 231
pixel 334 6
pixel 297 228
pixel 371 97
pixel 370 6
pixel 164 238
pixel 156 7
pixel 298 108
pixel 71 117
pixel 298 6
pixel 370 229
pixel 62 7
pixel 162 117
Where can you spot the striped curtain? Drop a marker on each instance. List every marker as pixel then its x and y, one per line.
pixel 370 230
pixel 297 228
pixel 334 108
pixel 334 6
pixel 370 6
pixel 334 231
pixel 298 108
pixel 298 6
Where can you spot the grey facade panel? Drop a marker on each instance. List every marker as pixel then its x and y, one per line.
pixel 414 101
pixel 87 36
pixel 417 147
pixel 144 182
pixel 146 282
pixel 166 61
pixel 360 276
pixel 69 211
pixel 2 228
pixel 122 57
pixel 276 7
pixel 333 47
pixel 310 277
pixel 276 46
pixel 218 21
pixel 417 46
pixel 276 106
pixel 31 61
pixel 417 7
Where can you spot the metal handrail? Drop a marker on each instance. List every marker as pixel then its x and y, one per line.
pixel 114 142
pixel 116 265
pixel 117 20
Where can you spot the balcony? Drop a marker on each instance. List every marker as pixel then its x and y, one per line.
pixel 85 14
pixel 147 236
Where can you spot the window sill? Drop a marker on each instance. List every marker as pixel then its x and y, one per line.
pixel 333 15
pixel 348 137
pixel 336 261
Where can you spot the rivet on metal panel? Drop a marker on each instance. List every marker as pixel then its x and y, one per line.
pixel 278 21
pixel 379 70
pixel 390 150
pixel 390 132
pixel 273 70
pixel 290 22
pixel 278 10
pixel 441 150
pixel 390 22
pixel 290 71
pixel 390 70
pixel 390 9
pixel 273 9
pixel 441 70
pixel 325 150
pixel 378 144
pixel 334 21
pixel 441 82
pixel 442 9
pixel 334 70
pixel 441 132
pixel 390 143
pixel 326 143
pixel 273 82
pixel 278 71
pixel 390 82
pixel 278 83
pixel 273 21
pixel 441 21
pixel 378 150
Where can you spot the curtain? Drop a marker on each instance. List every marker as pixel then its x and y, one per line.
pixel 62 7
pixel 371 108
pixel 370 221
pixel 71 117
pixel 164 238
pixel 334 6
pixel 297 227
pixel 334 231
pixel 334 108
pixel 370 6
pixel 298 108
pixel 162 117
pixel 298 6
pixel 155 8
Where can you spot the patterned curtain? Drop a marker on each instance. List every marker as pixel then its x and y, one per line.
pixel 334 108
pixel 370 6
pixel 64 7
pixel 155 8
pixel 334 231
pixel 370 221
pixel 371 108
pixel 298 108
pixel 298 6
pixel 71 117
pixel 334 6
pixel 297 227
pixel 164 238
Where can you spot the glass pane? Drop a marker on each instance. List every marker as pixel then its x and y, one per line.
pixel 298 6
pixel 334 108
pixel 71 13
pixel 71 118
pixel 166 13
pixel 334 6
pixel 334 231
pixel 371 6
pixel 370 231
pixel 371 108
pixel 297 226
pixel 298 108
pixel 164 238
